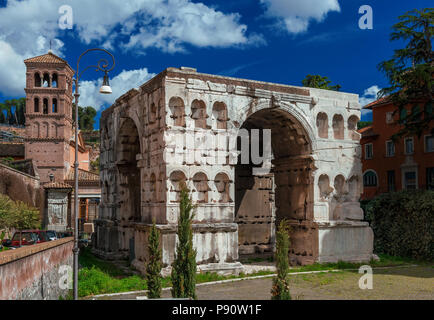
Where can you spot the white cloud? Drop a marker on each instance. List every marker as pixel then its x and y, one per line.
pixel 136 25
pixel 120 84
pixel 296 15
pixel 369 95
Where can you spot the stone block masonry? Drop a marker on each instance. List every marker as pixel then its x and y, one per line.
pixel 33 272
pixel 172 131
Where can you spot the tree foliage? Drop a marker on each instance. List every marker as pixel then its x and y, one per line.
pixel 280 288
pixel 86 117
pixel 319 82
pixel 403 223
pixel 153 268
pixel 13 111
pixel 184 267
pixel 17 214
pixel 410 71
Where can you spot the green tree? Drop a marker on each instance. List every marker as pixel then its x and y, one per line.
pixel 362 124
pixel 184 267
pixel 280 288
pixel 2 115
pixel 410 70
pixel 18 215
pixel 153 268
pixel 320 82
pixel 86 117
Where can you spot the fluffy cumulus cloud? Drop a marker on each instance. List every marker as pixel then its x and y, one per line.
pixel 369 95
pixel 134 25
pixel 296 15
pixel 120 84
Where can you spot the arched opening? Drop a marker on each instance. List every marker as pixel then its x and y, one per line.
pixel 177 180
pixel 219 116
pixel 264 197
pixel 37 80
pixel 370 179
pixel 352 127
pixel 54 81
pixel 222 185
pixel 324 186
pixel 177 112
pixel 129 188
pixel 46 80
pixel 54 106
pixel 201 188
pixel 45 106
pixel 36 105
pixel 198 114
pixel 338 126
pixel 322 123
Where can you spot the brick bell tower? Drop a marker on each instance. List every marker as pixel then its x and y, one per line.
pixel 49 124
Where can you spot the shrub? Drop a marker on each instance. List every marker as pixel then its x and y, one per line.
pixel 184 267
pixel 153 268
pixel 280 288
pixel 403 224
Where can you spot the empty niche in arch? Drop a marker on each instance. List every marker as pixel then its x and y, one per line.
pixel 338 126
pixel 177 180
pixel 322 122
pixel 219 115
pixel 177 112
pixel 201 188
pixel 222 184
pixel 339 185
pixel 198 113
pixel 324 186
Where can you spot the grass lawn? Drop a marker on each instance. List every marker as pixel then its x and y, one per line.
pixel 98 276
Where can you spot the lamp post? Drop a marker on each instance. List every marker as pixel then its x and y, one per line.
pixel 102 65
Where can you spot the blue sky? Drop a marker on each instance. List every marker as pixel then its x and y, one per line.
pixel 279 41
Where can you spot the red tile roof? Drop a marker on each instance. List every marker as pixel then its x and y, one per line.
pixel 47 58
pixel 57 185
pixel 83 176
pixel 377 102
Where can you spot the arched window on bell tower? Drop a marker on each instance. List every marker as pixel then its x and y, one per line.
pixel 54 110
pixel 46 80
pixel 37 80
pixel 36 105
pixel 54 81
pixel 45 106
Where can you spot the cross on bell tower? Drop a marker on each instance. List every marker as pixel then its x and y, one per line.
pixel 49 114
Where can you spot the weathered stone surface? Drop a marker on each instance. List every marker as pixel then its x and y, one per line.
pixel 179 128
pixel 33 272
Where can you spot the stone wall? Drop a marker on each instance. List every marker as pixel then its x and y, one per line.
pixel 33 272
pixel 21 186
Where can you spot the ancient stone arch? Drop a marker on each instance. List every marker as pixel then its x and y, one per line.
pixel 312 176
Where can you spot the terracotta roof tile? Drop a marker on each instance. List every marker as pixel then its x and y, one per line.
pixel 376 102
pixel 83 176
pixel 57 185
pixel 47 58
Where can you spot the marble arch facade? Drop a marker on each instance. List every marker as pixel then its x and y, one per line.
pixel 315 180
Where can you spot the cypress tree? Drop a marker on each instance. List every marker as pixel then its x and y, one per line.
pixel 153 268
pixel 280 288
pixel 184 267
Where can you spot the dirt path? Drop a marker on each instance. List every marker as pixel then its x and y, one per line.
pixel 412 283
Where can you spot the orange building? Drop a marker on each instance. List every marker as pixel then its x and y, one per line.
pixel 407 163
